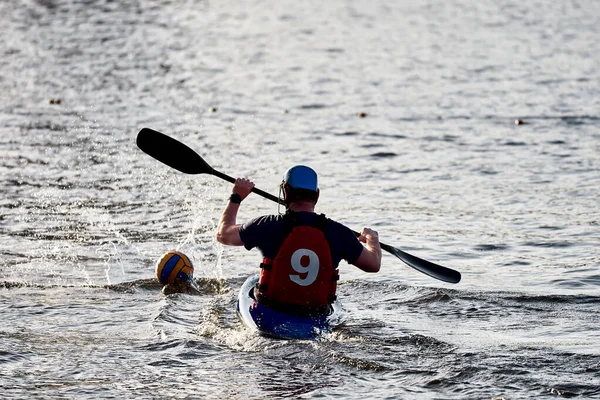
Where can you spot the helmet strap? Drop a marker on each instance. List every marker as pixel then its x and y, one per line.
pixel 281 198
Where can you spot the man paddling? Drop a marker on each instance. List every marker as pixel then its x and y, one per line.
pixel 301 249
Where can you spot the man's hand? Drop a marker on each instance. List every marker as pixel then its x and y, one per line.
pixel 369 236
pixel 243 187
pixel 370 258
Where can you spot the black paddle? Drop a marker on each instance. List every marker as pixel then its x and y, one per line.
pixel 177 155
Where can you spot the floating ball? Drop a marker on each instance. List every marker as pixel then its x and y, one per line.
pixel 172 266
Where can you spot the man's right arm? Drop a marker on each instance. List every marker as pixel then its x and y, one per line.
pixel 228 231
pixel 370 256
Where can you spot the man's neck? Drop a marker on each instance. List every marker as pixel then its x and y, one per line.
pixel 299 206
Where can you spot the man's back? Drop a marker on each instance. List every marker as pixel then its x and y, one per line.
pixel 268 232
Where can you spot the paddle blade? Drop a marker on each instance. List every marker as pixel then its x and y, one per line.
pixel 428 268
pixel 171 152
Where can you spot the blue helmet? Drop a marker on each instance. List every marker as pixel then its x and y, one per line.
pixel 301 177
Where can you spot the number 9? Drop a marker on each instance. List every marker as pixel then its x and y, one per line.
pixel 312 269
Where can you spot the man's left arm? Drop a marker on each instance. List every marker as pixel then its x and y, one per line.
pixel 370 257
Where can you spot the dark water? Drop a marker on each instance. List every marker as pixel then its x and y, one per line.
pixel 435 163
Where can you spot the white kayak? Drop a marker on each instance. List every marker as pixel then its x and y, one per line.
pixel 279 324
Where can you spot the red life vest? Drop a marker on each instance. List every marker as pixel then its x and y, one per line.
pixel 302 273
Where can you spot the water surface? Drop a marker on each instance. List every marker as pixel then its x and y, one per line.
pixel 407 112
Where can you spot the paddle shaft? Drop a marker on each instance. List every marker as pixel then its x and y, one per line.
pixel 392 250
pixel 254 189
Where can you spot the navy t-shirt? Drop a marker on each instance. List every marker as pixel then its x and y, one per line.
pixel 266 234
